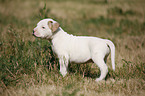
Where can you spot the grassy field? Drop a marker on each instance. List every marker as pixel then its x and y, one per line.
pixel 28 67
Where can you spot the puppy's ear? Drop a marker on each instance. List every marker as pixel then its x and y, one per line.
pixel 50 24
pixel 53 25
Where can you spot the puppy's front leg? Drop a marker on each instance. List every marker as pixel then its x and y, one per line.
pixel 63 61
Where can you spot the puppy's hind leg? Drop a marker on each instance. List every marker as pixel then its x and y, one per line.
pixel 99 60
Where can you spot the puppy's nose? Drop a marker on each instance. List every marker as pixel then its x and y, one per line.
pixel 33 32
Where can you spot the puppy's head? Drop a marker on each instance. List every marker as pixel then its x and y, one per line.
pixel 45 28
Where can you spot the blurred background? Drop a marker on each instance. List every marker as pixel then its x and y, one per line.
pixel 29 67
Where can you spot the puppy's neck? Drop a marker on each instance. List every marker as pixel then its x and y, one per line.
pixel 58 35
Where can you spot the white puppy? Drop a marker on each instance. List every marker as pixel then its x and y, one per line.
pixel 78 49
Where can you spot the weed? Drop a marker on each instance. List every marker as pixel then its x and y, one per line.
pixel 44 12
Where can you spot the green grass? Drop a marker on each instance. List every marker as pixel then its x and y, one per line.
pixel 29 67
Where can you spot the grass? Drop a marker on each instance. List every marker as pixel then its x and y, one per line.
pixel 29 67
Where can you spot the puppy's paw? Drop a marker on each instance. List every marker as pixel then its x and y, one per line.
pixel 63 73
pixel 99 79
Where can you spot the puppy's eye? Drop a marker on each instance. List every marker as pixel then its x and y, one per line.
pixel 43 27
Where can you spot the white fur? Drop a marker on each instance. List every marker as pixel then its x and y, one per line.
pixel 78 49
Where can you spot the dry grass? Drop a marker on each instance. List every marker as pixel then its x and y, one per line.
pixel 29 68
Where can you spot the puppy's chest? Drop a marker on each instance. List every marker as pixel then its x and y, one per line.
pixel 59 49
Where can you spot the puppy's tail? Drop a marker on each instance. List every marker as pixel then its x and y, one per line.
pixel 112 47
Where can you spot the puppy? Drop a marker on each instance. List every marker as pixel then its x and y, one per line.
pixel 78 49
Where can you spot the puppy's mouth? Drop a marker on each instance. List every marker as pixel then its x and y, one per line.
pixel 33 33
pixel 38 36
